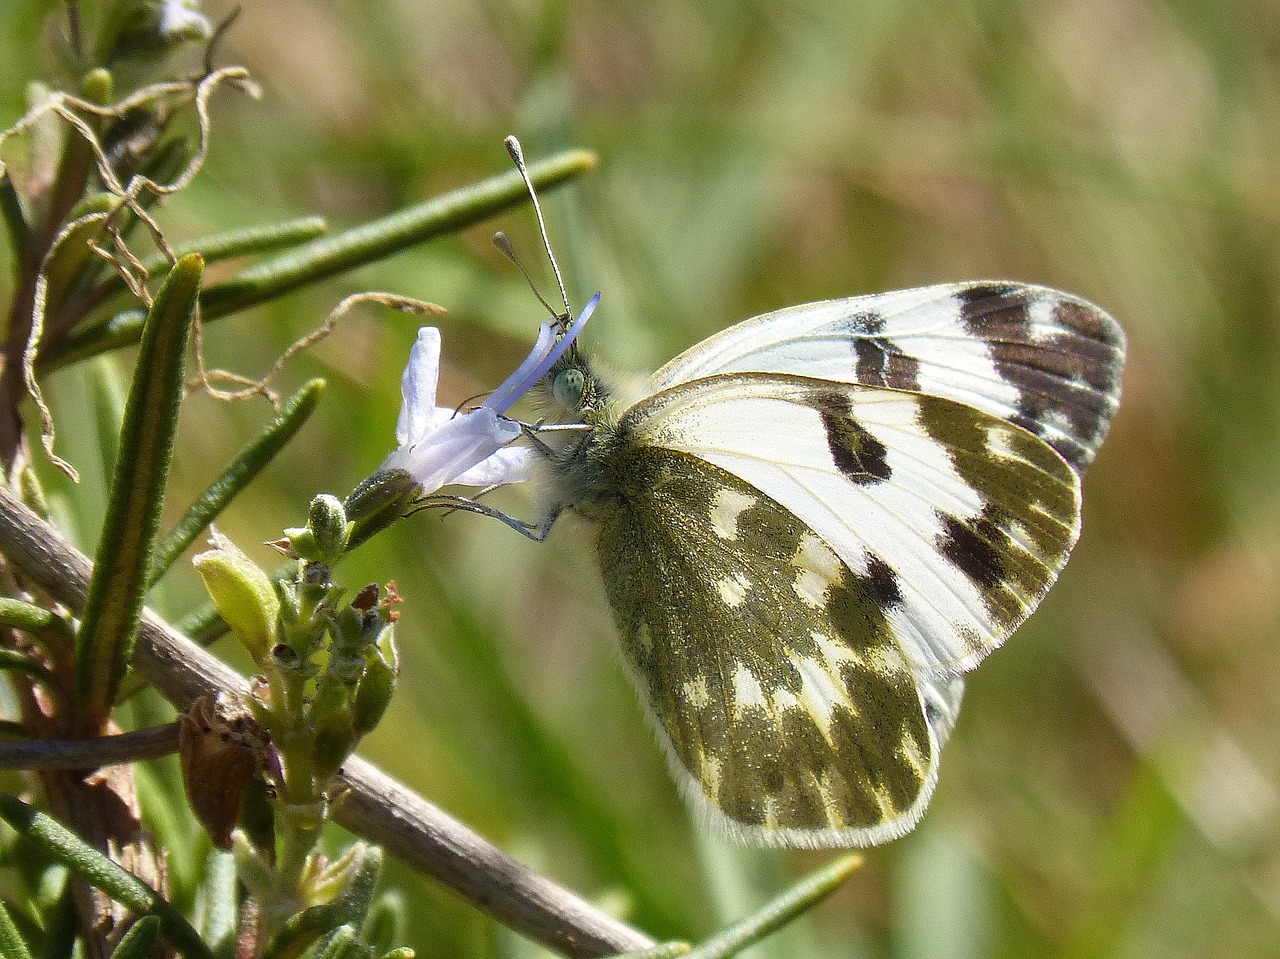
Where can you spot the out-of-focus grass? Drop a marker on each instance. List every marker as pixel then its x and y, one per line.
pixel 1111 787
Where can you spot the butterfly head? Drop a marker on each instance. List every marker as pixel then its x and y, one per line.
pixel 575 388
pixel 568 387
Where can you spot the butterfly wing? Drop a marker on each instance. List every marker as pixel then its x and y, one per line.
pixel 1039 358
pixel 789 711
pixel 820 518
pixel 964 517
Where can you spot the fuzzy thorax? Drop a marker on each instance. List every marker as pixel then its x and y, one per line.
pixel 581 468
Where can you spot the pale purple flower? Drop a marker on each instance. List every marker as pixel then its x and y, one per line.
pixel 440 445
pixel 182 20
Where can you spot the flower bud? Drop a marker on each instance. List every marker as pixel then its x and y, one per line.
pixel 242 593
pixel 324 538
pixel 377 684
pixel 328 522
pixel 334 740
pixel 379 501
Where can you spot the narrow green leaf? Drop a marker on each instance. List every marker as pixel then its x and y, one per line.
pixel 63 846
pixel 15 221
pixel 247 465
pixel 342 943
pixel 37 621
pixel 113 605
pixel 245 241
pixel 68 262
pixel 358 896
pixel 804 895
pixel 350 909
pixel 19 615
pixel 11 943
pixel 329 256
pixel 204 626
pixel 216 914
pixel 139 940
pixel 304 928
pixel 385 924
pixel 166 163
pixel 62 922
pixel 22 663
pixel 71 182
pixel 381 238
pixel 107 398
pixel 214 248
pixel 740 880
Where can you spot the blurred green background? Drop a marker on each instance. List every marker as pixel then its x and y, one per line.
pixel 1111 789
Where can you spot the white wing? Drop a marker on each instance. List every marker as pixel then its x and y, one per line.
pixel 958 520
pixel 1042 359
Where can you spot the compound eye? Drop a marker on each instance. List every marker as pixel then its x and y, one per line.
pixel 568 387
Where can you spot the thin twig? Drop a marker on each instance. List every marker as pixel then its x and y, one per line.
pixel 89 753
pixel 376 806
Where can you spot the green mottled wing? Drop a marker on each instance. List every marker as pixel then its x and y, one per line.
pixel 800 572
pixel 789 712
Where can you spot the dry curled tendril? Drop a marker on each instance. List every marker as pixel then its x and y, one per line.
pixel 109 243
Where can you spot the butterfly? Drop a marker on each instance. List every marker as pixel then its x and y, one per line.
pixel 812 524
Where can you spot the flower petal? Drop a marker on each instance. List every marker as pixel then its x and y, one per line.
pixel 182 20
pixel 418 388
pixel 457 446
pixel 540 359
pixel 518 383
pixel 513 464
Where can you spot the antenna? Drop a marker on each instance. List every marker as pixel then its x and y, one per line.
pixel 503 244
pixel 517 155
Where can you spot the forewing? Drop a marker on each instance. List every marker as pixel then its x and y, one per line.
pixel 1042 359
pixel 961 519
pixel 788 708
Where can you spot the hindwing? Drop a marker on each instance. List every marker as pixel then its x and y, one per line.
pixel 789 709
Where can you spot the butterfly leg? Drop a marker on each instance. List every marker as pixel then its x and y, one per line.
pixel 531 431
pixel 535 531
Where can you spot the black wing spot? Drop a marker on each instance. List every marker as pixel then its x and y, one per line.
pixel 881 583
pixel 1073 373
pixel 967 544
pixel 879 363
pixel 866 323
pixel 856 453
